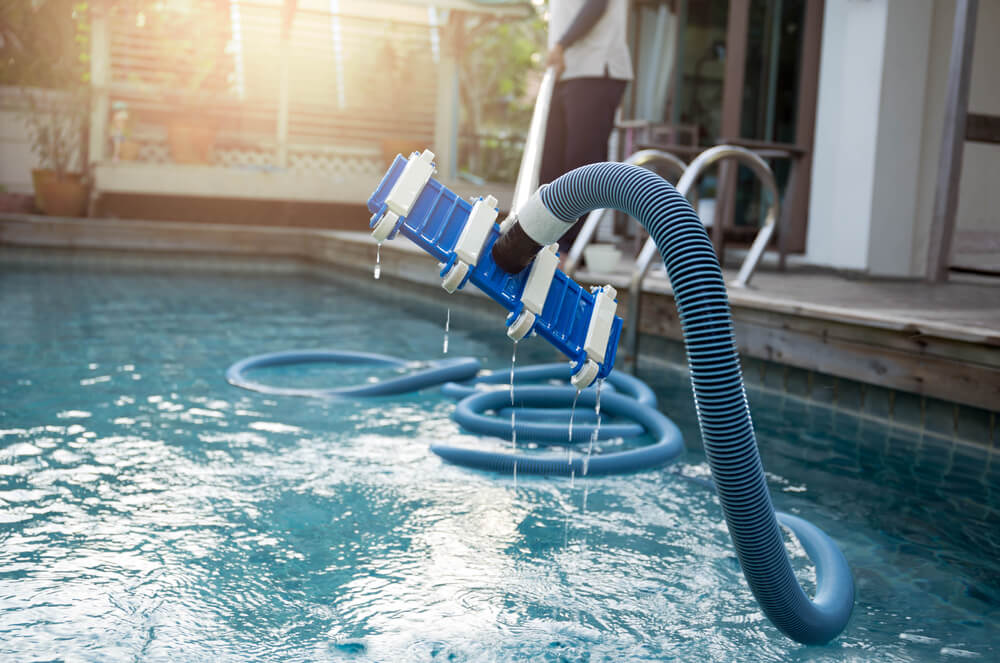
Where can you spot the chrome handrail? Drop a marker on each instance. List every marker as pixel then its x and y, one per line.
pixel 531 158
pixel 593 220
pixel 691 175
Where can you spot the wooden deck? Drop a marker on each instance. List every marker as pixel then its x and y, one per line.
pixel 940 341
pixel 937 340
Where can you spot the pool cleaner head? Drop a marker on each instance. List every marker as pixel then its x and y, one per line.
pixel 540 299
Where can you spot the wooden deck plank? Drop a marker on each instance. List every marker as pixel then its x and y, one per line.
pixel 963 311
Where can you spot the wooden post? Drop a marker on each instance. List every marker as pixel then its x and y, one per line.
pixel 732 105
pixel 100 80
pixel 952 141
pixel 100 102
pixel 288 9
pixel 446 106
pixel 281 155
pixel 795 210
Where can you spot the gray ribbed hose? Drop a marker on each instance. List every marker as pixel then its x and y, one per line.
pixel 720 398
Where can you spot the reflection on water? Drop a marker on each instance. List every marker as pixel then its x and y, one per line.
pixel 149 511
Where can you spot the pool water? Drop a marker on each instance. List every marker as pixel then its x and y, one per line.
pixel 149 511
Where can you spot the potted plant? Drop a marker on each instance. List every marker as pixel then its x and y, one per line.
pixel 56 121
pixel 55 124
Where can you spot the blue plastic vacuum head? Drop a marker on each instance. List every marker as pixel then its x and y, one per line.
pixel 581 324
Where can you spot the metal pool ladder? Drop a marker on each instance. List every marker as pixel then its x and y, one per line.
pixel 644 158
pixel 527 183
pixel 531 159
pixel 685 186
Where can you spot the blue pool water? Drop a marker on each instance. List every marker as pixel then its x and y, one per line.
pixel 149 511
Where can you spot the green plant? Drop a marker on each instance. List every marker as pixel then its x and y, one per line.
pixel 46 44
pixel 56 121
pixel 499 62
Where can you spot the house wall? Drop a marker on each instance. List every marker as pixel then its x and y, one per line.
pixel 901 120
pixel 866 163
pixel 880 114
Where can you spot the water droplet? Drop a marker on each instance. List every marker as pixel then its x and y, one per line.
pixel 447 326
pixel 513 412
pixel 572 414
pixel 378 261
pixel 513 429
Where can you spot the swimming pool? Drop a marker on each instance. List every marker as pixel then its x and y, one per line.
pixel 151 511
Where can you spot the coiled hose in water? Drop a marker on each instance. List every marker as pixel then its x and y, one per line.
pixel 720 397
pixel 538 407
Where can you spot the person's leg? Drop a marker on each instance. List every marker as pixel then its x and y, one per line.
pixel 590 105
pixel 590 117
pixel 554 151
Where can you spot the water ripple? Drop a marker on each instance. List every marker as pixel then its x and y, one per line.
pixel 174 518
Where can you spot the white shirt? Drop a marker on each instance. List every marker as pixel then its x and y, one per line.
pixel 602 50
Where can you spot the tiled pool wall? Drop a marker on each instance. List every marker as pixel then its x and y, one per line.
pixel 909 413
pixel 898 407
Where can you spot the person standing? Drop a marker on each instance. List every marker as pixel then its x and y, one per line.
pixel 589 51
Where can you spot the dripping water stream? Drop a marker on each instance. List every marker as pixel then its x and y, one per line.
pixel 572 413
pixel 447 327
pixel 513 412
pixel 593 436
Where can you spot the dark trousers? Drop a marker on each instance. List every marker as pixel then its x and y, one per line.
pixel 580 122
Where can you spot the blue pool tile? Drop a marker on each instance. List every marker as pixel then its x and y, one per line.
pixel 823 387
pixel 846 424
pixel 993 471
pixel 796 412
pixel 939 416
pixel 752 369
pixel 772 375
pixel 797 381
pixel 975 425
pixel 969 463
pixel 907 409
pixel 878 401
pixel 900 449
pixel 661 348
pixel 932 459
pixel 850 395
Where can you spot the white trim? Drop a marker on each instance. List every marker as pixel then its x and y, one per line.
pixel 539 223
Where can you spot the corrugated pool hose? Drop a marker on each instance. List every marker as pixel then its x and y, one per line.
pixel 720 397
